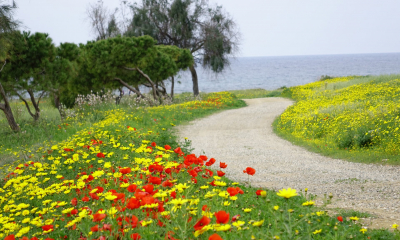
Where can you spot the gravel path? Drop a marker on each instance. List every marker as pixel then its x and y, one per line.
pixel 244 138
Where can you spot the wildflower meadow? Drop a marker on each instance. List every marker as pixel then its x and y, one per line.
pixel 127 177
pixel 354 118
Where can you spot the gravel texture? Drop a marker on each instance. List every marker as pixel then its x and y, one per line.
pixel 244 138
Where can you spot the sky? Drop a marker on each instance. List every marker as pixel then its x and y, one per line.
pixel 268 27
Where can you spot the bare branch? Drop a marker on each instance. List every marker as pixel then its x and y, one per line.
pixel 98 17
pixel 5 62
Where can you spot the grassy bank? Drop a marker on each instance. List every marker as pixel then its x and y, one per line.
pixel 49 129
pixel 354 118
pixel 125 176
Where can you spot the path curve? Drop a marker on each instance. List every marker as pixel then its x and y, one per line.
pixel 244 138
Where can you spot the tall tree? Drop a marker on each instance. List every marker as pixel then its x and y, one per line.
pixel 209 33
pixel 7 28
pixel 26 69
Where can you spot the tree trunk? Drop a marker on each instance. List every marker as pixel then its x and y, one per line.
pixel 121 94
pixel 35 104
pixel 172 87
pixel 7 111
pixel 58 105
pixel 194 80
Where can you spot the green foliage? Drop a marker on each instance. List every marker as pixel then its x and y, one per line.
pixel 7 28
pixel 27 61
pixel 209 33
pixel 62 70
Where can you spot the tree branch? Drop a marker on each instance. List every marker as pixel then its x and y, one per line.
pixel 26 103
pixel 41 95
pixel 5 62
pixel 129 87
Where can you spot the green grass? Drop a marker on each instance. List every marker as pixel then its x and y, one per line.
pixel 250 93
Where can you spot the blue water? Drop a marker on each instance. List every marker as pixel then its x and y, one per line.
pixel 274 72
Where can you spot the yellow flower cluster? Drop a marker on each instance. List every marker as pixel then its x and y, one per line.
pixel 356 116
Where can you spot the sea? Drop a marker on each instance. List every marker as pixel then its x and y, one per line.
pixel 274 72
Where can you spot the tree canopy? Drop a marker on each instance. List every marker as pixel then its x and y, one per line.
pixel 26 66
pixel 132 61
pixel 209 33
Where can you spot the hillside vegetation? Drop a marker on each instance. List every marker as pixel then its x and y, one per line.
pixel 355 118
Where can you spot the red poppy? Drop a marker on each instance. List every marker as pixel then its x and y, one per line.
pixel 232 191
pixel 98 217
pixel 100 155
pixel 190 159
pixel 74 202
pixel 178 151
pixel 156 167
pixel 258 192
pixel 132 188
pixel 74 211
pixel 215 237
pixel 203 157
pixel 240 191
pixel 222 217
pixel 167 183
pixel 155 180
pixel 250 171
pixel 149 188
pixel 222 165
pixel 147 200
pixel 134 221
pixel 210 162
pixel 167 147
pixel 173 194
pixel 94 196
pixel 47 227
pixel 10 237
pixel 209 172
pixel 135 236
pixel 85 199
pixel 201 223
pixel 340 219
pixel 192 173
pixel 107 227
pixel 95 228
pixel 205 208
pixel 220 173
pixel 133 203
pixel 125 170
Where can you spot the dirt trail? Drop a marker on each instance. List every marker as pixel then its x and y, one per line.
pixel 244 138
